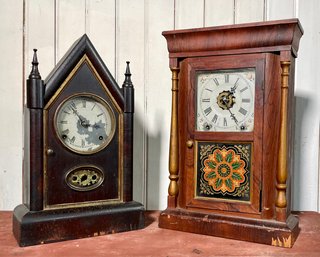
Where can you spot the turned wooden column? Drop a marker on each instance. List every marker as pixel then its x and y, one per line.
pixel 282 172
pixel 173 189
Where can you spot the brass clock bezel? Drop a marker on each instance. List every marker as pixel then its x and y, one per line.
pixel 108 108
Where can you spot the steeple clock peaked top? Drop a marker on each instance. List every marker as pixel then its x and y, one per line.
pixel 78 165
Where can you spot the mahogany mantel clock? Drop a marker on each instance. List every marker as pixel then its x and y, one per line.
pixel 231 145
pixel 78 152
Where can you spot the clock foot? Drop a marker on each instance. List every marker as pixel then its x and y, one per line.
pixel 261 231
pixel 47 226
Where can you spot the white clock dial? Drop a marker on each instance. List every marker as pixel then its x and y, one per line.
pixel 85 124
pixel 225 100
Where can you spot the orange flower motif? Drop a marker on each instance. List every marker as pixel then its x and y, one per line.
pixel 224 170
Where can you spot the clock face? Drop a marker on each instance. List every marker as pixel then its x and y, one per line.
pixel 225 100
pixel 85 124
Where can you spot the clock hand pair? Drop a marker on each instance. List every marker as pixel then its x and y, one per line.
pixel 83 120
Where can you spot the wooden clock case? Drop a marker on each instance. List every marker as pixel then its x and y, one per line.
pixel 270 48
pixel 52 211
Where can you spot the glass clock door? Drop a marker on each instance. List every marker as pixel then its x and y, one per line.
pixel 224 126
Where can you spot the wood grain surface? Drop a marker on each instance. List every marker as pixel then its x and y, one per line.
pixel 153 242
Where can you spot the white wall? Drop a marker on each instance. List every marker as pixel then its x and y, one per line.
pixel 131 30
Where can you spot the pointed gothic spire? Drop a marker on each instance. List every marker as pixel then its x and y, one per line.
pixel 127 80
pixel 34 74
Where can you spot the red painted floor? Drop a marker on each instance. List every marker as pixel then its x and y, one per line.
pixel 153 241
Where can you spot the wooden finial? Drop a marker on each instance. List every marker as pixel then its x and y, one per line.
pixel 34 74
pixel 127 80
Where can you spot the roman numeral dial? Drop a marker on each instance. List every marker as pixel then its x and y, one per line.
pixel 225 100
pixel 85 124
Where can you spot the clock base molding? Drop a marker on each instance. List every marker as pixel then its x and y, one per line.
pixel 268 232
pixel 47 226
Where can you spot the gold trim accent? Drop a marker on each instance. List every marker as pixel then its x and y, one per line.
pixel 84 170
pixel 282 242
pixel 119 199
pixel 84 59
pixel 82 204
pixel 174 140
pixel 97 99
pixel 66 81
pixel 282 173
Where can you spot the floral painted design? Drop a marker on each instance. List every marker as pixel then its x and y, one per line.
pixel 224 170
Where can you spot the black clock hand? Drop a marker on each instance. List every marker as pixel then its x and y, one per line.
pixel 225 101
pixel 233 89
pixel 82 119
pixel 96 126
pixel 233 117
pixel 76 113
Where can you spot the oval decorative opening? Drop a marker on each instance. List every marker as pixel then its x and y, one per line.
pixel 84 178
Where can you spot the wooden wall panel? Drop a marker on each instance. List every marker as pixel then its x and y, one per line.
pixel 101 29
pixel 130 46
pixel 159 17
pixel 284 9
pixel 40 34
pixel 70 24
pixel 218 12
pixel 307 94
pixel 189 14
pixel 249 11
pixel 11 72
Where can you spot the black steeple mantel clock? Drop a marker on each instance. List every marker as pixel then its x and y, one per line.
pixel 78 152
pixel 232 131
